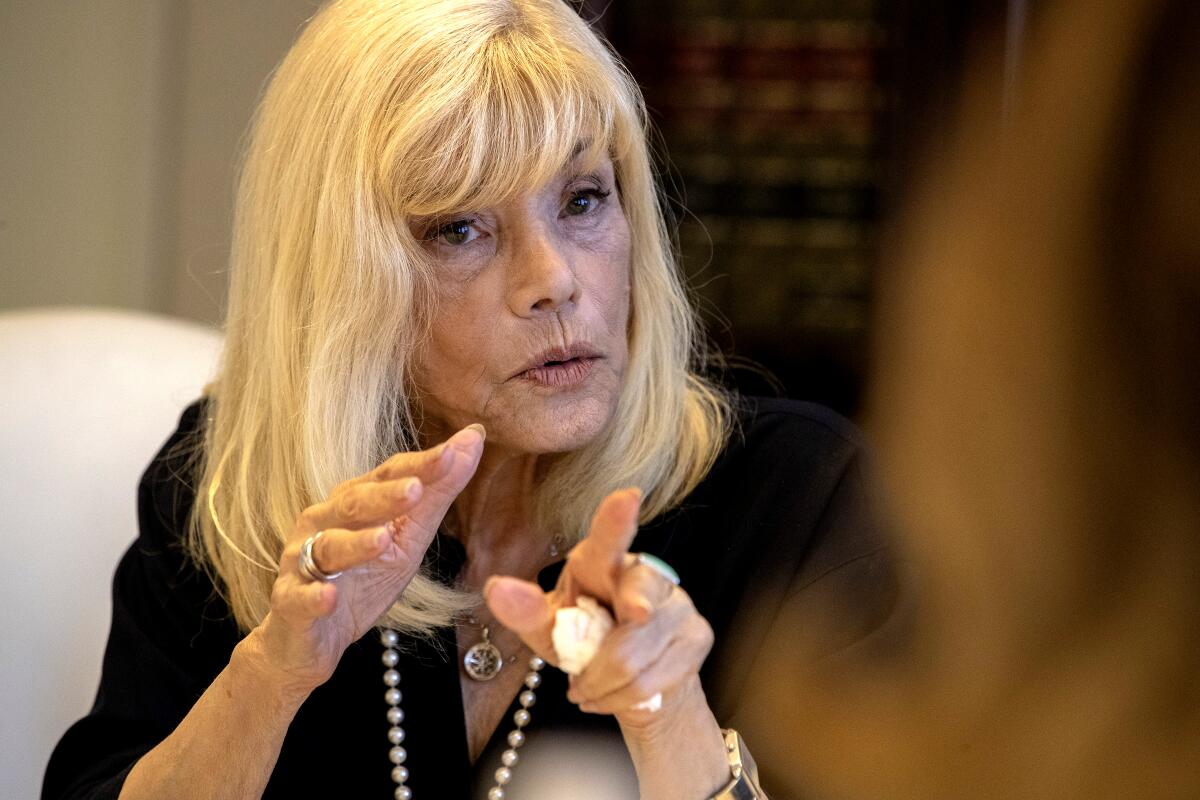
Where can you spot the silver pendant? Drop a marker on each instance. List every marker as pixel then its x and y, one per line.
pixel 483 660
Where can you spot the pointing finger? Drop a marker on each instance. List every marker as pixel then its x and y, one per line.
pixel 596 562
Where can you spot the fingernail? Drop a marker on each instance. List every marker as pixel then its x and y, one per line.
pixel 487 586
pixel 412 488
pixel 636 491
pixel 476 426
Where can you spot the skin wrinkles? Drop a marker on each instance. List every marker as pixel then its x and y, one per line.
pixel 520 278
pixel 530 278
pixel 527 276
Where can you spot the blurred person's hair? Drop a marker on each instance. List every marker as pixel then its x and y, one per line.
pixel 380 113
pixel 1037 408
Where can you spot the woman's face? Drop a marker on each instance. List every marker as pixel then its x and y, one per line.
pixel 529 336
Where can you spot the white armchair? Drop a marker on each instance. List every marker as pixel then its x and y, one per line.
pixel 89 396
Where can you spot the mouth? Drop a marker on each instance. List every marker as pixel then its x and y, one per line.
pixel 560 367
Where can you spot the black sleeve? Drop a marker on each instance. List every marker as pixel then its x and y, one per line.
pixel 170 636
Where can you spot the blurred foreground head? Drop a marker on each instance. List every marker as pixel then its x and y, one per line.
pixel 1038 409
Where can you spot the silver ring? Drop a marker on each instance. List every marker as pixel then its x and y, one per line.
pixel 308 567
pixel 658 565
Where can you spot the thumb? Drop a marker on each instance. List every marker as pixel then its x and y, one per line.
pixel 525 609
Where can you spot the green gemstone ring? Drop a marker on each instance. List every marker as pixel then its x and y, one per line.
pixel 658 565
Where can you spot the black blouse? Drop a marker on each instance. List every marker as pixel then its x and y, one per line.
pixel 776 536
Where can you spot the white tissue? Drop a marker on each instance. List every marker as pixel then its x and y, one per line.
pixel 578 632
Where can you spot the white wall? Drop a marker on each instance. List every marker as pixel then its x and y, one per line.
pixel 81 151
pixel 120 122
pixel 231 46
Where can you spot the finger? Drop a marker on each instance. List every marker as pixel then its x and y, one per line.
pixel 457 465
pixel 659 678
pixel 626 652
pixel 299 600
pixel 598 559
pixel 437 464
pixel 339 549
pixel 416 528
pixel 678 663
pixel 640 590
pixel 525 609
pixel 428 464
pixel 359 502
pixel 361 505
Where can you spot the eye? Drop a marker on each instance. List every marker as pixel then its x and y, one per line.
pixel 458 232
pixel 584 201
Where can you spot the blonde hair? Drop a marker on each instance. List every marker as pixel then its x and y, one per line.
pixel 380 112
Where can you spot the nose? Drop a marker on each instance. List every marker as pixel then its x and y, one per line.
pixel 543 281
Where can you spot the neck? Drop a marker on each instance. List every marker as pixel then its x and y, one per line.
pixel 493 519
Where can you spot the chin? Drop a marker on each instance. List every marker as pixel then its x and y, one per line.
pixel 554 423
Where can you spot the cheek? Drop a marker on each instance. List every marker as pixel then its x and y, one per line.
pixel 615 301
pixel 612 282
pixel 454 343
pixel 617 295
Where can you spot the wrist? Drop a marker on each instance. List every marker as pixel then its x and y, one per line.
pixel 678 751
pixel 682 710
pixel 259 671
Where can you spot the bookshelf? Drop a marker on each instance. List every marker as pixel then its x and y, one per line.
pixel 771 115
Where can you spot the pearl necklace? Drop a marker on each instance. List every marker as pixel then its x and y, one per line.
pixel 395 715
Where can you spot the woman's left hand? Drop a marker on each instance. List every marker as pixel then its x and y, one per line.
pixel 659 640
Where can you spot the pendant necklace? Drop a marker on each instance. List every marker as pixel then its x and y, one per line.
pixel 395 715
pixel 482 662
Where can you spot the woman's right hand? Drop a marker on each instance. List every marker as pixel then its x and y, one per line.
pixel 376 528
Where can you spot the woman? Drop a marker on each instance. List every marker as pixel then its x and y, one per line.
pixel 457 348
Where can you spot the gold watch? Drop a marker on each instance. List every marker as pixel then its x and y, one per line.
pixel 744 783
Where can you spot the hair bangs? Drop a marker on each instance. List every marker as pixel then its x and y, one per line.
pixel 383 112
pixel 522 111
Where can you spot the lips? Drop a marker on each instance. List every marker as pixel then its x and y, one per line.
pixel 560 366
pixel 559 356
